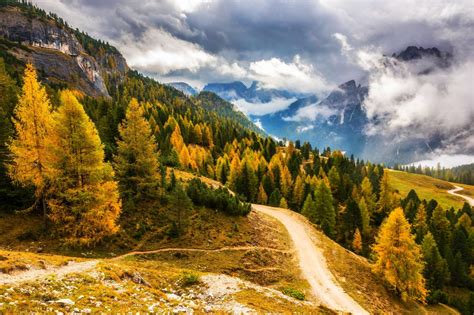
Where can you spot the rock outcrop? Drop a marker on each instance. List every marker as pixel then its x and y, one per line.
pixel 57 53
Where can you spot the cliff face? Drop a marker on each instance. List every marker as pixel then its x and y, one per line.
pixel 57 53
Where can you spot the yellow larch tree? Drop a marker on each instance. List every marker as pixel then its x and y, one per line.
pixel 399 258
pixel 84 198
pixel 357 242
pixel 32 122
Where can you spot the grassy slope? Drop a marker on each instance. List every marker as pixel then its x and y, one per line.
pixel 428 188
pixel 125 285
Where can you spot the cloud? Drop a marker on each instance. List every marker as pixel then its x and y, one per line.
pixel 304 128
pixel 160 52
pixel 259 109
pixel 311 113
pixel 296 75
pixel 446 160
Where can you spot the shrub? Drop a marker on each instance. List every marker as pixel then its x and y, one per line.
pixel 294 293
pixel 188 278
pixel 220 199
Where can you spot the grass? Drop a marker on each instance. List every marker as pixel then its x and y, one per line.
pixel 125 285
pixel 12 261
pixel 428 188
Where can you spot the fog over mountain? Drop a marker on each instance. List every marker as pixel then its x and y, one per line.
pixel 310 48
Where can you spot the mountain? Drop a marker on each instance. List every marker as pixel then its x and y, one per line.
pixel 184 87
pixel 255 93
pixel 337 120
pixel 64 57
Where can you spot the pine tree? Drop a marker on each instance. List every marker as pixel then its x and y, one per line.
pixel 387 200
pixel 325 213
pixel 84 198
pixel 357 242
pixel 283 203
pixel 437 271
pixel 33 123
pixel 309 209
pixel 275 198
pixel 399 258
pixel 136 162
pixel 440 228
pixel 8 99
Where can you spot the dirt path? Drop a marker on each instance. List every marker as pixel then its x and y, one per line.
pixel 35 274
pixel 313 264
pixel 179 249
pixel 454 192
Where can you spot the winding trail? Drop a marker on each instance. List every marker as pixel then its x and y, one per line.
pixel 36 274
pixel 454 191
pixel 312 262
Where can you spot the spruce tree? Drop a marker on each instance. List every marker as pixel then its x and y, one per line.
pixel 436 271
pixel 83 197
pixel 309 209
pixel 275 198
pixel 136 161
pixel 399 258
pixel 325 213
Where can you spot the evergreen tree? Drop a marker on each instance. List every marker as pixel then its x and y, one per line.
pixel 84 198
pixel 32 122
pixel 325 213
pixel 309 209
pixel 275 198
pixel 136 162
pixel 440 228
pixel 436 272
pixel 387 201
pixel 399 258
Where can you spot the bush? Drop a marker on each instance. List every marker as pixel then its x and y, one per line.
pixel 294 293
pixel 220 199
pixel 188 278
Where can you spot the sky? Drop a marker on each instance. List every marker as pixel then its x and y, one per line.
pixel 305 46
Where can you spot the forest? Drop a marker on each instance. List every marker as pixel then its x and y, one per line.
pixel 83 162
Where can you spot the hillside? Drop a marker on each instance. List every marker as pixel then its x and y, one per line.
pixel 183 203
pixel 429 188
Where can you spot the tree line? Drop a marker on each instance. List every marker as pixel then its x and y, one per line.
pixel 463 174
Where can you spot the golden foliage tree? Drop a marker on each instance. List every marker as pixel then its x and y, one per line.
pixel 262 197
pixel 357 242
pixel 399 258
pixel 84 198
pixel 32 122
pixel 136 162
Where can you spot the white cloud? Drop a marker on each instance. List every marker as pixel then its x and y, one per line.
pixel 258 123
pixel 311 113
pixel 160 52
pixel 446 160
pixel 304 128
pixel 259 109
pixel 295 76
